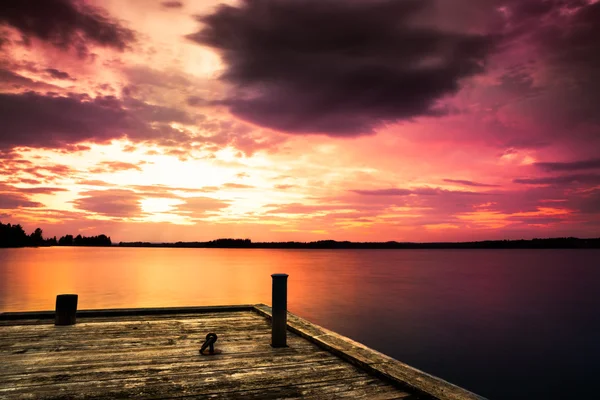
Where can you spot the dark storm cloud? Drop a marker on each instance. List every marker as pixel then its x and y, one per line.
pixel 337 67
pixel 469 183
pixel 12 80
pixel 570 166
pixel 65 24
pixel 34 120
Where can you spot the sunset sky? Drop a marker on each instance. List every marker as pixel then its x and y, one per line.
pixel 276 120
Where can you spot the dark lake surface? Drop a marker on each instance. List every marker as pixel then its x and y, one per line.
pixel 506 324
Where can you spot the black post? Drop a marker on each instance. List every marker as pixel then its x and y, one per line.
pixel 279 302
pixel 66 308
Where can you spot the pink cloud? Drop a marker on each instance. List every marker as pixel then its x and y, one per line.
pixel 499 142
pixel 111 203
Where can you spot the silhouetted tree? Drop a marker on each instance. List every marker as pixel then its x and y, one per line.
pixel 13 236
pixel 551 243
pixel 66 240
pixel 100 240
pixel 37 238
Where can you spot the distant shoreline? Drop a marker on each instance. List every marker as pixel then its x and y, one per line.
pixel 550 243
pixel 104 241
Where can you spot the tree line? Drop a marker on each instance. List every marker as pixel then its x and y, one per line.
pixel 15 236
pixel 549 243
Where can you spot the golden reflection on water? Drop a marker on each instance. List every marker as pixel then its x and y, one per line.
pixel 153 277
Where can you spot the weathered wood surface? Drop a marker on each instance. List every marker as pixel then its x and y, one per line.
pixel 155 355
pixel 376 363
pixel 121 312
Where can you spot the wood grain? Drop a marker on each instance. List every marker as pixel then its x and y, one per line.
pixel 155 355
pixel 402 375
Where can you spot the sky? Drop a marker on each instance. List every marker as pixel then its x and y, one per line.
pixel 277 120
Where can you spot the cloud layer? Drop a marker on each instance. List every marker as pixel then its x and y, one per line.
pixel 65 24
pixel 359 65
pixel 168 120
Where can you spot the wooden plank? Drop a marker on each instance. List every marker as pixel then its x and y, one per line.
pixel 373 361
pixel 166 384
pixel 131 318
pixel 15 361
pixel 194 365
pixel 134 334
pixel 49 364
pixel 121 343
pixel 135 331
pixel 148 353
pixel 129 329
pixel 349 388
pixel 127 312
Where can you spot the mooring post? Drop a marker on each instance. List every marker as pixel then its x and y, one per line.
pixel 66 308
pixel 279 302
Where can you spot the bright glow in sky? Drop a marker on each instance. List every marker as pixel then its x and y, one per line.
pixel 282 121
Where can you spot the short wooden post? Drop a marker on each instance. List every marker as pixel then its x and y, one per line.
pixel 66 308
pixel 279 302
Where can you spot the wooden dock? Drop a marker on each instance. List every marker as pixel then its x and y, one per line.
pixel 154 354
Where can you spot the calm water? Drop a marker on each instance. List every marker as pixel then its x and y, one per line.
pixel 506 324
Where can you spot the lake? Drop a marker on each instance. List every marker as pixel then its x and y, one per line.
pixel 506 324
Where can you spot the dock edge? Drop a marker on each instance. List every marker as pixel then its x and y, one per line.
pixel 371 360
pixel 356 353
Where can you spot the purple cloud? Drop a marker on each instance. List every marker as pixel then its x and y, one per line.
pixel 172 4
pixel 11 201
pixel 570 166
pixel 55 73
pixel 65 24
pixel 425 191
pixel 31 119
pixel 384 192
pixel 41 190
pixel 561 180
pixel 337 67
pixel 198 207
pixel 111 203
pixel 12 80
pixel 34 120
pixel 469 183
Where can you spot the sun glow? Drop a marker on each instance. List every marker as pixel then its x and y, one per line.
pixel 158 205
